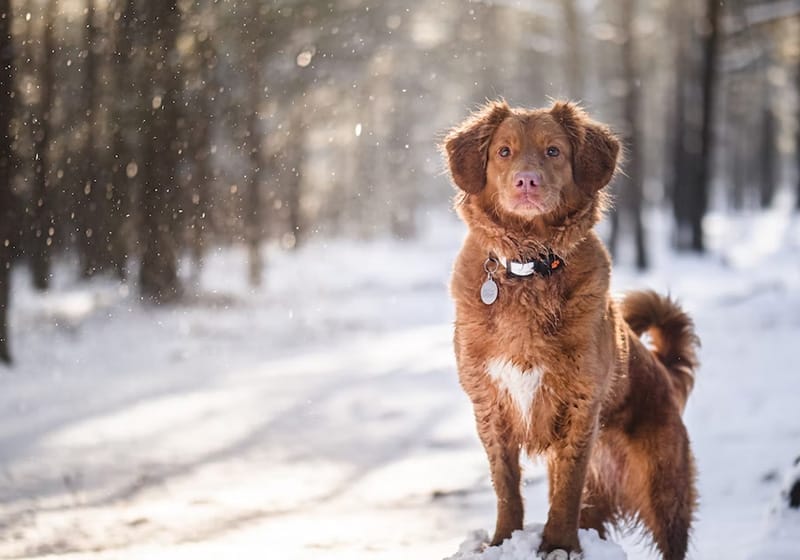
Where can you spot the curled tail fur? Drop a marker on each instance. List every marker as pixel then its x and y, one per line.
pixel 672 333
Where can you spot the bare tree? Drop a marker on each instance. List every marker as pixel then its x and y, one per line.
pixel 621 50
pixel 42 214
pixel 574 65
pixel 710 44
pixel 91 202
pixel 693 142
pixel 333 129
pixel 679 144
pixel 293 171
pixel 201 122
pixel 11 211
pixel 768 157
pixel 253 214
pixel 158 275
pixel 797 136
pixel 633 178
pixel 123 166
pixel 9 216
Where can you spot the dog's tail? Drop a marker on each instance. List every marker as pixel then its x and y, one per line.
pixel 672 334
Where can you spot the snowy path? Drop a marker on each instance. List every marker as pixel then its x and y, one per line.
pixel 322 418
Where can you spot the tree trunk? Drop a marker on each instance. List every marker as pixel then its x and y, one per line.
pixel 253 215
pixel 686 138
pixel 5 291
pixel 202 173
pixel 739 169
pixel 680 153
pixel 11 211
pixel 119 208
pixel 293 199
pixel 293 173
pixel 574 62
pixel 633 181
pixel 91 208
pixel 43 217
pixel 710 56
pixel 767 158
pixel 9 218
pixel 158 278
pixel 405 200
pixel 797 137
pixel 693 143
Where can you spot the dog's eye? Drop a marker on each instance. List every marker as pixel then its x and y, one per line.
pixel 552 151
pixel 504 152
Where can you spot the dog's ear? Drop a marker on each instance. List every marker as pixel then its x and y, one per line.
pixel 466 146
pixel 594 147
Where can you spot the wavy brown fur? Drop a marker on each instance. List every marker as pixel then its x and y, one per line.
pixel 601 407
pixel 672 333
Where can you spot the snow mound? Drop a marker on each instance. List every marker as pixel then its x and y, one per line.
pixel 790 493
pixel 781 533
pixel 523 545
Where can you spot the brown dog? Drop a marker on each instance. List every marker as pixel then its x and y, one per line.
pixel 550 362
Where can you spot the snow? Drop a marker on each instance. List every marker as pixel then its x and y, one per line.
pixel 524 545
pixel 779 536
pixel 321 416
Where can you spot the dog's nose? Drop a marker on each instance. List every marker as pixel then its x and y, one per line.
pixel 527 179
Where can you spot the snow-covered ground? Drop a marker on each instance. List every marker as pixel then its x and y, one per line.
pixel 524 545
pixel 320 416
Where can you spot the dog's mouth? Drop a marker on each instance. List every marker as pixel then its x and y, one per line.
pixel 529 200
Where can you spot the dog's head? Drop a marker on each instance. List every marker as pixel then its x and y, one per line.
pixel 529 163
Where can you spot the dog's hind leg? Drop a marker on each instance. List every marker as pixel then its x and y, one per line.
pixel 600 506
pixel 597 507
pixel 660 485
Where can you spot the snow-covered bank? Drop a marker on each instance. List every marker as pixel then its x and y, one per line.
pixel 321 416
pixel 524 545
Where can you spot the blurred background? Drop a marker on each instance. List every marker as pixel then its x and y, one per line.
pixel 141 133
pixel 144 142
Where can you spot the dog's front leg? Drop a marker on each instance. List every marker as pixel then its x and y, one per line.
pixel 503 453
pixel 567 463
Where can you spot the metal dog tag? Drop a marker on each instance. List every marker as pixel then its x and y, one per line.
pixel 489 292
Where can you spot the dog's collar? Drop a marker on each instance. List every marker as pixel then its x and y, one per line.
pixel 545 265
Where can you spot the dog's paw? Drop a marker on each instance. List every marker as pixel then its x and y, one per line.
pixel 560 554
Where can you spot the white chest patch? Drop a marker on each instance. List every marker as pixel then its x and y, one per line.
pixel 521 385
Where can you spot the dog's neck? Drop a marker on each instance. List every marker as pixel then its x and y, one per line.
pixel 519 239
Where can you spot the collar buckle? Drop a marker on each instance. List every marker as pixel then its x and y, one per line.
pixel 544 266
